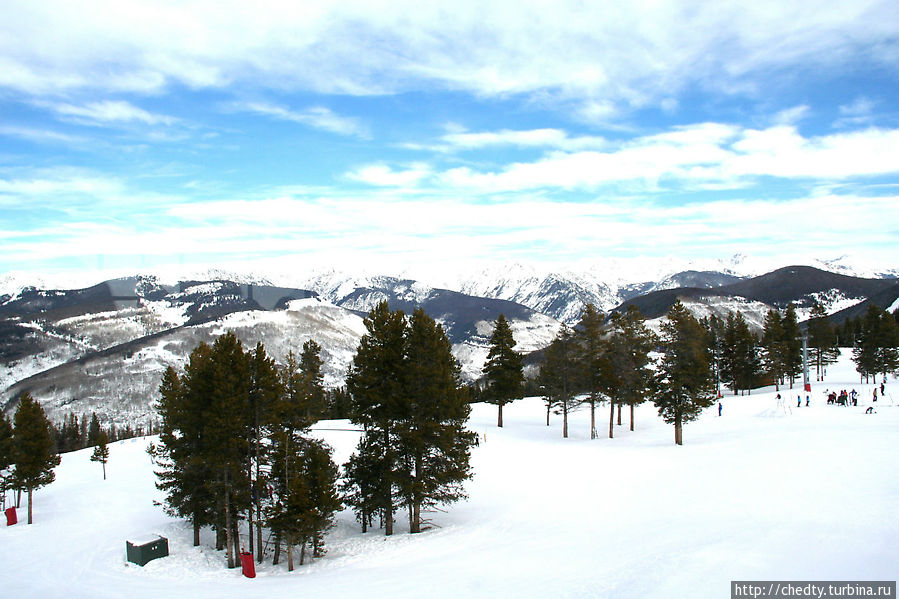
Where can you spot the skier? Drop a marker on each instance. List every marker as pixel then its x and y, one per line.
pixel 808 398
pixel 719 408
pixel 798 401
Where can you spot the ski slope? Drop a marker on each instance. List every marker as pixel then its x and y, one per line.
pixel 761 493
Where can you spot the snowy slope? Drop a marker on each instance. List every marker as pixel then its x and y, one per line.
pixel 762 493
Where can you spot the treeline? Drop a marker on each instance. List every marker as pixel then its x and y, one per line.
pixel 612 360
pixel 235 445
pixel 75 433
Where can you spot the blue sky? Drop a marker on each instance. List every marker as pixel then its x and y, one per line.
pixel 413 135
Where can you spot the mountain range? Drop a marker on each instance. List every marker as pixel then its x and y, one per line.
pixel 104 347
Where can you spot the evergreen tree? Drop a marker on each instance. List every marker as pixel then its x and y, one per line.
pixel 822 340
pixel 227 429
pixel 715 330
pixel 503 370
pixel 363 486
pixel 589 335
pixel 289 423
pixel 628 351
pixel 182 471
pixel 773 348
pixel 684 382
pixel 560 374
pixel 376 386
pixel 265 390
pixel 792 344
pixel 740 361
pixel 34 451
pixel 306 497
pixel 313 381
pixel 93 431
pixel 101 451
pixel 433 445
pixel 876 350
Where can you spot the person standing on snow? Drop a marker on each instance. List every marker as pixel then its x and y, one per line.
pixel 808 398
pixel 719 408
pixel 798 401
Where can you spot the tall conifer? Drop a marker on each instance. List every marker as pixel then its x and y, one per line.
pixel 503 369
pixel 684 383
pixel 34 450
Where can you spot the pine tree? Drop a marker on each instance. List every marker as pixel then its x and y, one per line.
pixel 589 335
pixel 560 375
pixel 265 389
pixel 773 348
pixel 503 370
pixel 792 344
pixel 876 350
pixel 628 349
pixel 182 471
pixel 35 454
pixel 313 381
pixel 715 328
pixel 740 361
pixel 376 386
pixel 227 429
pixel 432 442
pixel 101 451
pixel 93 431
pixel 684 383
pixel 822 340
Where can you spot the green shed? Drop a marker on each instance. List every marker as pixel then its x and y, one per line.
pixel 147 550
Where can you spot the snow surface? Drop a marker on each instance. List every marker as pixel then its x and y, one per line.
pixel 764 493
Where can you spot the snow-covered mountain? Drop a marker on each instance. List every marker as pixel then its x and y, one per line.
pixel 104 348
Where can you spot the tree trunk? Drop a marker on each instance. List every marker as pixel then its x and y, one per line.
pixel 289 555
pixel 678 432
pixel 303 552
pixel 565 419
pixel 499 416
pixel 415 507
pixel 277 559
pixel 619 413
pixel 632 417
pixel 611 418
pixel 592 418
pixel 196 534
pixel 250 529
pixel 229 546
pixel 547 414
pixel 29 502
pixel 104 470
pixel 388 508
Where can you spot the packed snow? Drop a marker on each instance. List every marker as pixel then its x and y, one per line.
pixel 764 492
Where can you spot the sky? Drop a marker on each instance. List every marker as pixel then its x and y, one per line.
pixel 407 135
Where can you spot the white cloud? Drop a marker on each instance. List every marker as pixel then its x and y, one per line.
pixel 605 54
pixel 109 111
pixel 702 156
pixel 533 138
pixel 318 117
pixel 385 176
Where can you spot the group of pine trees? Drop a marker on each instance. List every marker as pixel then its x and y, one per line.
pixel 609 360
pixel 234 447
pixel 75 433
pixel 406 395
pixel 27 451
